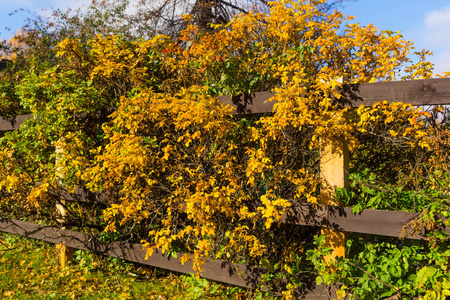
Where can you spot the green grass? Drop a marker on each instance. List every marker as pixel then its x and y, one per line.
pixel 29 269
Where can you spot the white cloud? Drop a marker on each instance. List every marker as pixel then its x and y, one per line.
pixel 74 4
pixel 432 33
pixel 64 5
pixel 441 62
pixel 437 18
pixel 436 31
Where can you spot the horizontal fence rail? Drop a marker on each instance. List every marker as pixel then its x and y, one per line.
pixel 417 92
pixel 368 221
pixel 235 274
pixel 12 123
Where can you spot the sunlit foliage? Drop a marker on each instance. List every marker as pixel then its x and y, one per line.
pixel 178 172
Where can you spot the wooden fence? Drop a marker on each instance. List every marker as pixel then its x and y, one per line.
pixel 333 218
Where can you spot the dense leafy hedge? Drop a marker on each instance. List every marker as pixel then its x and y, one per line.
pixel 178 172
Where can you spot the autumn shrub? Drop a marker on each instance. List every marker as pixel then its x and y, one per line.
pixel 138 126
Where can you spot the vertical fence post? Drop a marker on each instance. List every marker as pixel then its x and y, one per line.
pixel 334 163
pixel 334 173
pixel 65 253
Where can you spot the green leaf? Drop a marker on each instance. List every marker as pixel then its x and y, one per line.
pixel 288 269
pixel 265 263
pixel 357 208
pixel 387 293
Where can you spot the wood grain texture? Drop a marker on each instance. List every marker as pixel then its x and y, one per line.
pixel 12 123
pixel 254 103
pixel 236 274
pixel 416 92
pixel 369 221
pixel 217 270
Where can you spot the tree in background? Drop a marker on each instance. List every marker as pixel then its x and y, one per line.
pixel 165 17
pixel 33 47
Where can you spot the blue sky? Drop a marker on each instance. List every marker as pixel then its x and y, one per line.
pixel 425 22
pixel 42 7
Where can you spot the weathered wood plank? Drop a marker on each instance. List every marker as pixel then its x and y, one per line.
pixel 254 103
pixel 417 92
pixel 12 123
pixel 236 274
pixel 217 270
pixel 334 162
pixel 369 221
pixel 65 252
